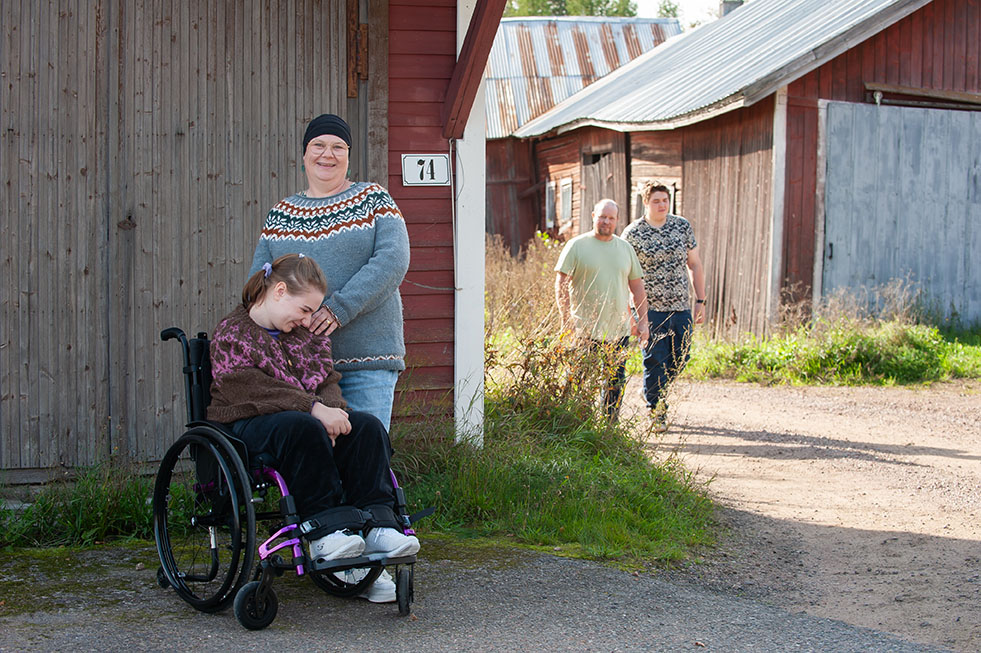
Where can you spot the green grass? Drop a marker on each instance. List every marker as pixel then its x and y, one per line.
pixel 582 487
pixel 843 353
pixel 578 486
pixel 102 503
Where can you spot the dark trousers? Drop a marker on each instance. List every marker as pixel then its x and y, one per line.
pixel 353 472
pixel 666 353
pixel 617 377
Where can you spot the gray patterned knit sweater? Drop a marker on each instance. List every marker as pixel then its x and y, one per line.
pixel 358 237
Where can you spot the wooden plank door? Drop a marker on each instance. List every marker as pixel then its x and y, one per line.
pixel 903 200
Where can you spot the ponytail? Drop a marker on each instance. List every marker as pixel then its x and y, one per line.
pixel 300 273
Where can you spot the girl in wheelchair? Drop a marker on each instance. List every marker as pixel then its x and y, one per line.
pixel 275 385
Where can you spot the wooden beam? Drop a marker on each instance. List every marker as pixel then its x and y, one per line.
pixel 950 96
pixel 469 68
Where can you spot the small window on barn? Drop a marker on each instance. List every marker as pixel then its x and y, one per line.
pixel 566 196
pixel 550 205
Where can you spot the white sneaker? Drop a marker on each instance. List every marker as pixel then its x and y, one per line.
pixel 339 544
pixel 381 591
pixel 390 542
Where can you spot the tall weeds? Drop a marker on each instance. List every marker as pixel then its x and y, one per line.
pixel 553 471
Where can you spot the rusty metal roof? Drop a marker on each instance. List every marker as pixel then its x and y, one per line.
pixel 723 65
pixel 537 62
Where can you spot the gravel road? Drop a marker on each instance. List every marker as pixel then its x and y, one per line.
pixel 858 504
pixel 468 599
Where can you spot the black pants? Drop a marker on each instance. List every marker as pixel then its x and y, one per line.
pixel 616 374
pixel 355 471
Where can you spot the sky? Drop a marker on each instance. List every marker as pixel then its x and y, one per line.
pixel 689 11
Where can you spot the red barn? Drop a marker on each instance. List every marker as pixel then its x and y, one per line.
pixel 142 143
pixel 817 145
pixel 535 63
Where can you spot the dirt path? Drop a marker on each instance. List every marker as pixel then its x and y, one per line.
pixel 858 504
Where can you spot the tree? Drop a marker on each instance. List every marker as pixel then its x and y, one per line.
pixel 667 9
pixel 570 8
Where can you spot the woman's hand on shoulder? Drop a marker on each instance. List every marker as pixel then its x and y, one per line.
pixel 335 420
pixel 323 322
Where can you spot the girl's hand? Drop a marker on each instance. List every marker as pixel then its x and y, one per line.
pixel 335 420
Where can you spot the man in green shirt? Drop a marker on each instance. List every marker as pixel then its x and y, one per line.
pixel 596 277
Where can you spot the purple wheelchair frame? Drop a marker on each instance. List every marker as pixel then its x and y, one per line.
pixel 270 546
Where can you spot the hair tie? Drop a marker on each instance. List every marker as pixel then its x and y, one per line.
pixel 301 255
pixel 268 268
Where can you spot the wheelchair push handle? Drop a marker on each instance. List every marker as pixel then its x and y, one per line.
pixel 176 333
pixel 172 332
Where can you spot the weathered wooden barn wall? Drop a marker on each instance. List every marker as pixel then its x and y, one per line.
pixel 727 168
pixel 54 166
pixel 595 160
pixel 904 201
pixel 143 144
pixel 654 155
pixel 937 47
pixel 603 156
pixel 513 206
pixel 422 53
pixel 557 160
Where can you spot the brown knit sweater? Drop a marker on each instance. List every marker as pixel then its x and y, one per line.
pixel 256 374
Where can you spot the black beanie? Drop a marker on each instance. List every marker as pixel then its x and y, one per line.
pixel 326 123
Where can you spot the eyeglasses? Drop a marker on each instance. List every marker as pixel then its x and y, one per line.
pixel 337 149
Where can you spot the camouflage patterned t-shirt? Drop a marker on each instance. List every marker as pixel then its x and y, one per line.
pixel 663 254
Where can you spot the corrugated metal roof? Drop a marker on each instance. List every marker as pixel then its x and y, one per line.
pixel 723 65
pixel 537 62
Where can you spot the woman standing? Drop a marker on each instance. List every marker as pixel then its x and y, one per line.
pixel 357 235
pixel 665 244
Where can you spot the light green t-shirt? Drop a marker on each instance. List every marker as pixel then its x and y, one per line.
pixel 598 272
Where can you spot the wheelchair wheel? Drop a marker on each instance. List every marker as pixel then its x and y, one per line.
pixel 203 519
pixel 348 583
pixel 254 609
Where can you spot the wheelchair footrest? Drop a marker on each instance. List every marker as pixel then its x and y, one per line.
pixel 371 560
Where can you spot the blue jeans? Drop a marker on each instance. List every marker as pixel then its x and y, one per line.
pixel 666 353
pixel 370 391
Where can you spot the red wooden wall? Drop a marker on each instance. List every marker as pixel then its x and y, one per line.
pixel 422 53
pixel 937 47
pixel 561 157
pixel 513 207
pixel 556 159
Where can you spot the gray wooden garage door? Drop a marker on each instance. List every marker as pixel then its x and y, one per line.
pixel 903 200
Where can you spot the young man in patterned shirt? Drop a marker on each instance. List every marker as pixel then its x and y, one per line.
pixel 665 244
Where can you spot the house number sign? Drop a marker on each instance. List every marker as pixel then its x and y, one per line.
pixel 426 169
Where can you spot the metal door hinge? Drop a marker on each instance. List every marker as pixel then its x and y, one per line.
pixel 357 51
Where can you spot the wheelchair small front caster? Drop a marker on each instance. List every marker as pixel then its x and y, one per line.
pixel 162 578
pixel 253 612
pixel 403 589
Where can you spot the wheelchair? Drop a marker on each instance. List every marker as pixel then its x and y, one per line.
pixel 206 502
